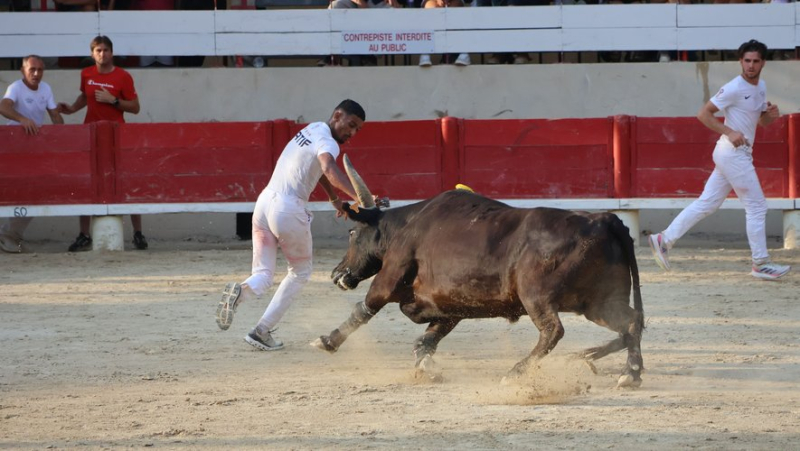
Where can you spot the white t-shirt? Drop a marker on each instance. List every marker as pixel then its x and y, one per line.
pixel 742 105
pixel 29 103
pixel 298 171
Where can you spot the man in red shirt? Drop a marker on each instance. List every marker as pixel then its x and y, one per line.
pixel 107 92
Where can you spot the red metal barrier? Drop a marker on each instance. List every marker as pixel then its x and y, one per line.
pixel 209 162
pixel 232 162
pixel 538 158
pixel 794 155
pixel 672 157
pixel 55 167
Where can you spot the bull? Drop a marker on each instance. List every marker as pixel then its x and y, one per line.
pixel 460 255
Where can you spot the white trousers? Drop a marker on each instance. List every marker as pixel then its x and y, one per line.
pixel 279 221
pixel 734 170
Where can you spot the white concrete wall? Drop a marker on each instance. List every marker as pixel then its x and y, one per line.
pixel 409 92
pixel 406 93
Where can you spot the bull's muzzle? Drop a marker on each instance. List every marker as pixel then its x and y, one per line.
pixel 344 280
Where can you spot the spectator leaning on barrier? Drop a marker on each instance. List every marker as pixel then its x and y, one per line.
pixel 107 92
pixel 463 59
pixel 744 103
pixel 281 219
pixel 24 104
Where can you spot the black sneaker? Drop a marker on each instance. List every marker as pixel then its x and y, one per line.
pixel 264 343
pixel 139 241
pixel 82 243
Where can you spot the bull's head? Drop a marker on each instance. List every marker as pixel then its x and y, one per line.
pixel 364 255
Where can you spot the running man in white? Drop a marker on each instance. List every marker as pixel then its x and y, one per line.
pixel 24 103
pixel 743 101
pixel 280 219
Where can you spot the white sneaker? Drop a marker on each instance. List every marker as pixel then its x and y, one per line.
pixel 522 58
pixel 263 342
pixel 660 250
pixel 227 305
pixel 663 57
pixel 769 270
pixel 425 61
pixel 463 60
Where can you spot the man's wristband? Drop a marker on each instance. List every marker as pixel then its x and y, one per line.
pixel 116 101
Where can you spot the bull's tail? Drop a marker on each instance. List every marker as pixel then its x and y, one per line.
pixel 621 231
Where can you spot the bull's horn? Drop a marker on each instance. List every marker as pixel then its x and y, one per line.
pixel 364 196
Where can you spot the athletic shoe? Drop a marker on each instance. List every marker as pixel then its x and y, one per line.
pixel 10 244
pixel 82 243
pixel 263 342
pixel 463 60
pixel 659 250
pixel 139 241
pixel 769 270
pixel 425 61
pixel 227 305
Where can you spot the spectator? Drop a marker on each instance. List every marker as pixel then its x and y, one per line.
pixel 154 5
pixel 107 92
pixel 743 101
pixel 281 219
pixel 25 103
pixel 197 5
pixel 515 58
pixel 357 60
pixel 463 58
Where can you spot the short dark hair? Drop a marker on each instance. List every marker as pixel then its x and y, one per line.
pixel 753 46
pixel 352 107
pixel 101 40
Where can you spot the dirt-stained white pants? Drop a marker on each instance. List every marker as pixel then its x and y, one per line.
pixel 734 170
pixel 279 221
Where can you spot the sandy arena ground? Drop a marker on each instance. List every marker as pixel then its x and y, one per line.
pixel 107 350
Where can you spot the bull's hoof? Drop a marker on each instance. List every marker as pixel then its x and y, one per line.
pixel 426 369
pixel 324 344
pixel 629 381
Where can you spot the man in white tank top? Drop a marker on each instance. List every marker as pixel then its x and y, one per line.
pixel 744 103
pixel 24 104
pixel 280 218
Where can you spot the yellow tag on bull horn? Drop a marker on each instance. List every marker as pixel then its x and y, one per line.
pixel 464 187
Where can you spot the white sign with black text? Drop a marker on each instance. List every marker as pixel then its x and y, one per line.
pixel 386 42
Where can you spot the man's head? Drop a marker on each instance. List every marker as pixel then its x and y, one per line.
pixel 347 119
pixel 32 71
pixel 102 51
pixel 752 57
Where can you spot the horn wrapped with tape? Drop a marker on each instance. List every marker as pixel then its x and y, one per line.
pixel 364 196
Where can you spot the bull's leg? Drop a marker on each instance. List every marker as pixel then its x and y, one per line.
pixel 618 316
pixel 545 317
pixel 361 315
pixel 426 345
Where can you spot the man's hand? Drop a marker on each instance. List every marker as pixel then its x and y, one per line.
pixel 29 126
pixel 772 111
pixel 737 139
pixel 103 96
pixel 362 3
pixel 64 108
pixel 381 202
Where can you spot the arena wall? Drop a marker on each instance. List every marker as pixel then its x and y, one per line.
pixel 406 93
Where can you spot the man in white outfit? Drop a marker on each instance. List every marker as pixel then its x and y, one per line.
pixel 280 219
pixel 24 103
pixel 744 103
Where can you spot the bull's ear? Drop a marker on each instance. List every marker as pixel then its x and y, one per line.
pixel 366 215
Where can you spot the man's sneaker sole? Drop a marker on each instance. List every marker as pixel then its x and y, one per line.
pixel 657 255
pixel 227 305
pixel 257 344
pixel 767 276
